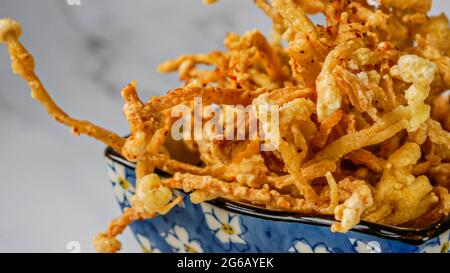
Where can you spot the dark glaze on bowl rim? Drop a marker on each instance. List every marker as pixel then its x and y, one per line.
pixel 413 236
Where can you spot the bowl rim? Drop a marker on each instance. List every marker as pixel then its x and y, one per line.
pixel 412 236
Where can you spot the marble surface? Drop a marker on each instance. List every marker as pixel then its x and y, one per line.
pixel 54 186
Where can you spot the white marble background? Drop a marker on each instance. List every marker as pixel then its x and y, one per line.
pixel 53 186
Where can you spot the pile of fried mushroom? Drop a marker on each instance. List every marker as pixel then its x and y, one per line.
pixel 364 117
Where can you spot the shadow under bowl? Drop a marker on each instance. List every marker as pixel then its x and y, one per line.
pixel 227 226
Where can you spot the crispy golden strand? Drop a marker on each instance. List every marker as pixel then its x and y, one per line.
pixel 309 173
pixel 279 26
pixel 172 166
pixel 320 140
pixel 305 48
pixel 416 196
pixel 22 63
pixel 368 159
pixel 106 242
pixel 419 5
pixel 269 198
pixel 329 96
pixel 349 213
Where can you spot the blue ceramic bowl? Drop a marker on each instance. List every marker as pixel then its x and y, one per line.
pixel 225 226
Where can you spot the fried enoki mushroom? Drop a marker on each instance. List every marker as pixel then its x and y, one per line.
pixel 400 196
pixel 22 63
pixel 349 213
pixel 363 117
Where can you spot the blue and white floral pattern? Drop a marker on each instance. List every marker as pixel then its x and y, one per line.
pixel 178 239
pixel 226 226
pixel 146 245
pixel 302 246
pixel 441 245
pixel 366 247
pixel 208 228
pixel 122 187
